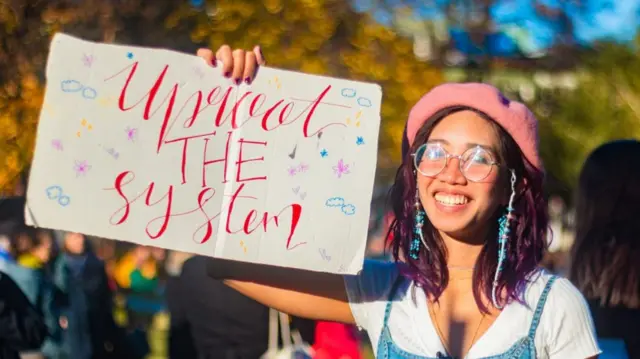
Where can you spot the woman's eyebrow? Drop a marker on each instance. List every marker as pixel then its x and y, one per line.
pixel 467 145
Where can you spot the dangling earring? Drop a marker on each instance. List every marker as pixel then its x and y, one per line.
pixel 418 237
pixel 503 235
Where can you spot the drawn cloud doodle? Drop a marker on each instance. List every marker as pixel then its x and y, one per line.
pixel 349 209
pixel 339 202
pixel 55 192
pixel 335 202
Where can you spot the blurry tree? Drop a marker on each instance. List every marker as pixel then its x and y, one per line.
pixel 26 28
pixel 324 37
pixel 604 106
pixel 473 34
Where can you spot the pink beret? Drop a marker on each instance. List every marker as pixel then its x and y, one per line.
pixel 513 116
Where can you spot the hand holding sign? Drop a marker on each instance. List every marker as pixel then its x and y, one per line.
pixel 237 65
pixel 193 161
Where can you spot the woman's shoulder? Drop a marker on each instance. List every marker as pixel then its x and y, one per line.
pixel 562 304
pixel 566 318
pixel 561 293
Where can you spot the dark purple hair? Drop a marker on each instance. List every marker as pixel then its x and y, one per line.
pixel 526 244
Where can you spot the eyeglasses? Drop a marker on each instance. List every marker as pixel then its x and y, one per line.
pixel 475 163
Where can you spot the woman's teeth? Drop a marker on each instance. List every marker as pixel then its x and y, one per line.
pixel 451 199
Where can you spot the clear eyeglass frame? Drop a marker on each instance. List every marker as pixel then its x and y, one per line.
pixel 462 161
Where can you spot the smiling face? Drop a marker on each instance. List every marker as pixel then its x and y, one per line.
pixel 456 206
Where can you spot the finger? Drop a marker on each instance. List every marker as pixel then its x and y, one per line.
pixel 259 57
pixel 207 55
pixel 250 67
pixel 224 55
pixel 238 65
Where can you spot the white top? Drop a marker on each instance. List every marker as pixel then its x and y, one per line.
pixel 566 329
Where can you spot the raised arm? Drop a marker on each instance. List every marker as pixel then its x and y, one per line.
pixel 312 295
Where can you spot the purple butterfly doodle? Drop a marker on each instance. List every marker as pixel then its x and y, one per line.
pixel 81 168
pixel 341 169
pixel 87 60
pixel 300 168
pixel 57 144
pixel 132 133
pixel 303 167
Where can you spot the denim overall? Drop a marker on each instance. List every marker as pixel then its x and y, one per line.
pixel 524 348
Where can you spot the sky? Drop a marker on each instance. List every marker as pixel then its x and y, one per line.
pixel 520 30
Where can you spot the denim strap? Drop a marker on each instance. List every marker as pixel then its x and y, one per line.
pixel 387 310
pixel 538 313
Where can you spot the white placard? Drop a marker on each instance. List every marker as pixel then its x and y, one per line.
pixel 155 147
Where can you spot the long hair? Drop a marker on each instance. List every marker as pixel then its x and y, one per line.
pixel 606 252
pixel 526 244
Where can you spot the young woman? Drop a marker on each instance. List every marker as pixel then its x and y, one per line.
pixel 470 224
pixel 607 247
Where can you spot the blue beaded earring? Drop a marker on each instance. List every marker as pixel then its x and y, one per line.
pixel 418 237
pixel 503 235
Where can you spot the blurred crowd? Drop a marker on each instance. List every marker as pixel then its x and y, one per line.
pixel 98 298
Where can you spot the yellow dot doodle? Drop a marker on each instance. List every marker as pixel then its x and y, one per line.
pixel 85 124
pixel 357 119
pixel 276 81
pixel 244 248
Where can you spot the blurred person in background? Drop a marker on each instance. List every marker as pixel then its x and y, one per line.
pixel 22 326
pixel 90 330
pixel 39 251
pixel 211 320
pixel 137 270
pixel 29 269
pixel 138 275
pixel 5 248
pixel 105 250
pixel 606 253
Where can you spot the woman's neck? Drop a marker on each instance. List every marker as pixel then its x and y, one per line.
pixel 460 254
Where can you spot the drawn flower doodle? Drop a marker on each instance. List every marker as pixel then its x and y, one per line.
pixel 81 168
pixel 57 144
pixel 132 133
pixel 341 168
pixel 87 60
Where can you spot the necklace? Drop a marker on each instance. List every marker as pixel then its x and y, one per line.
pixel 444 341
